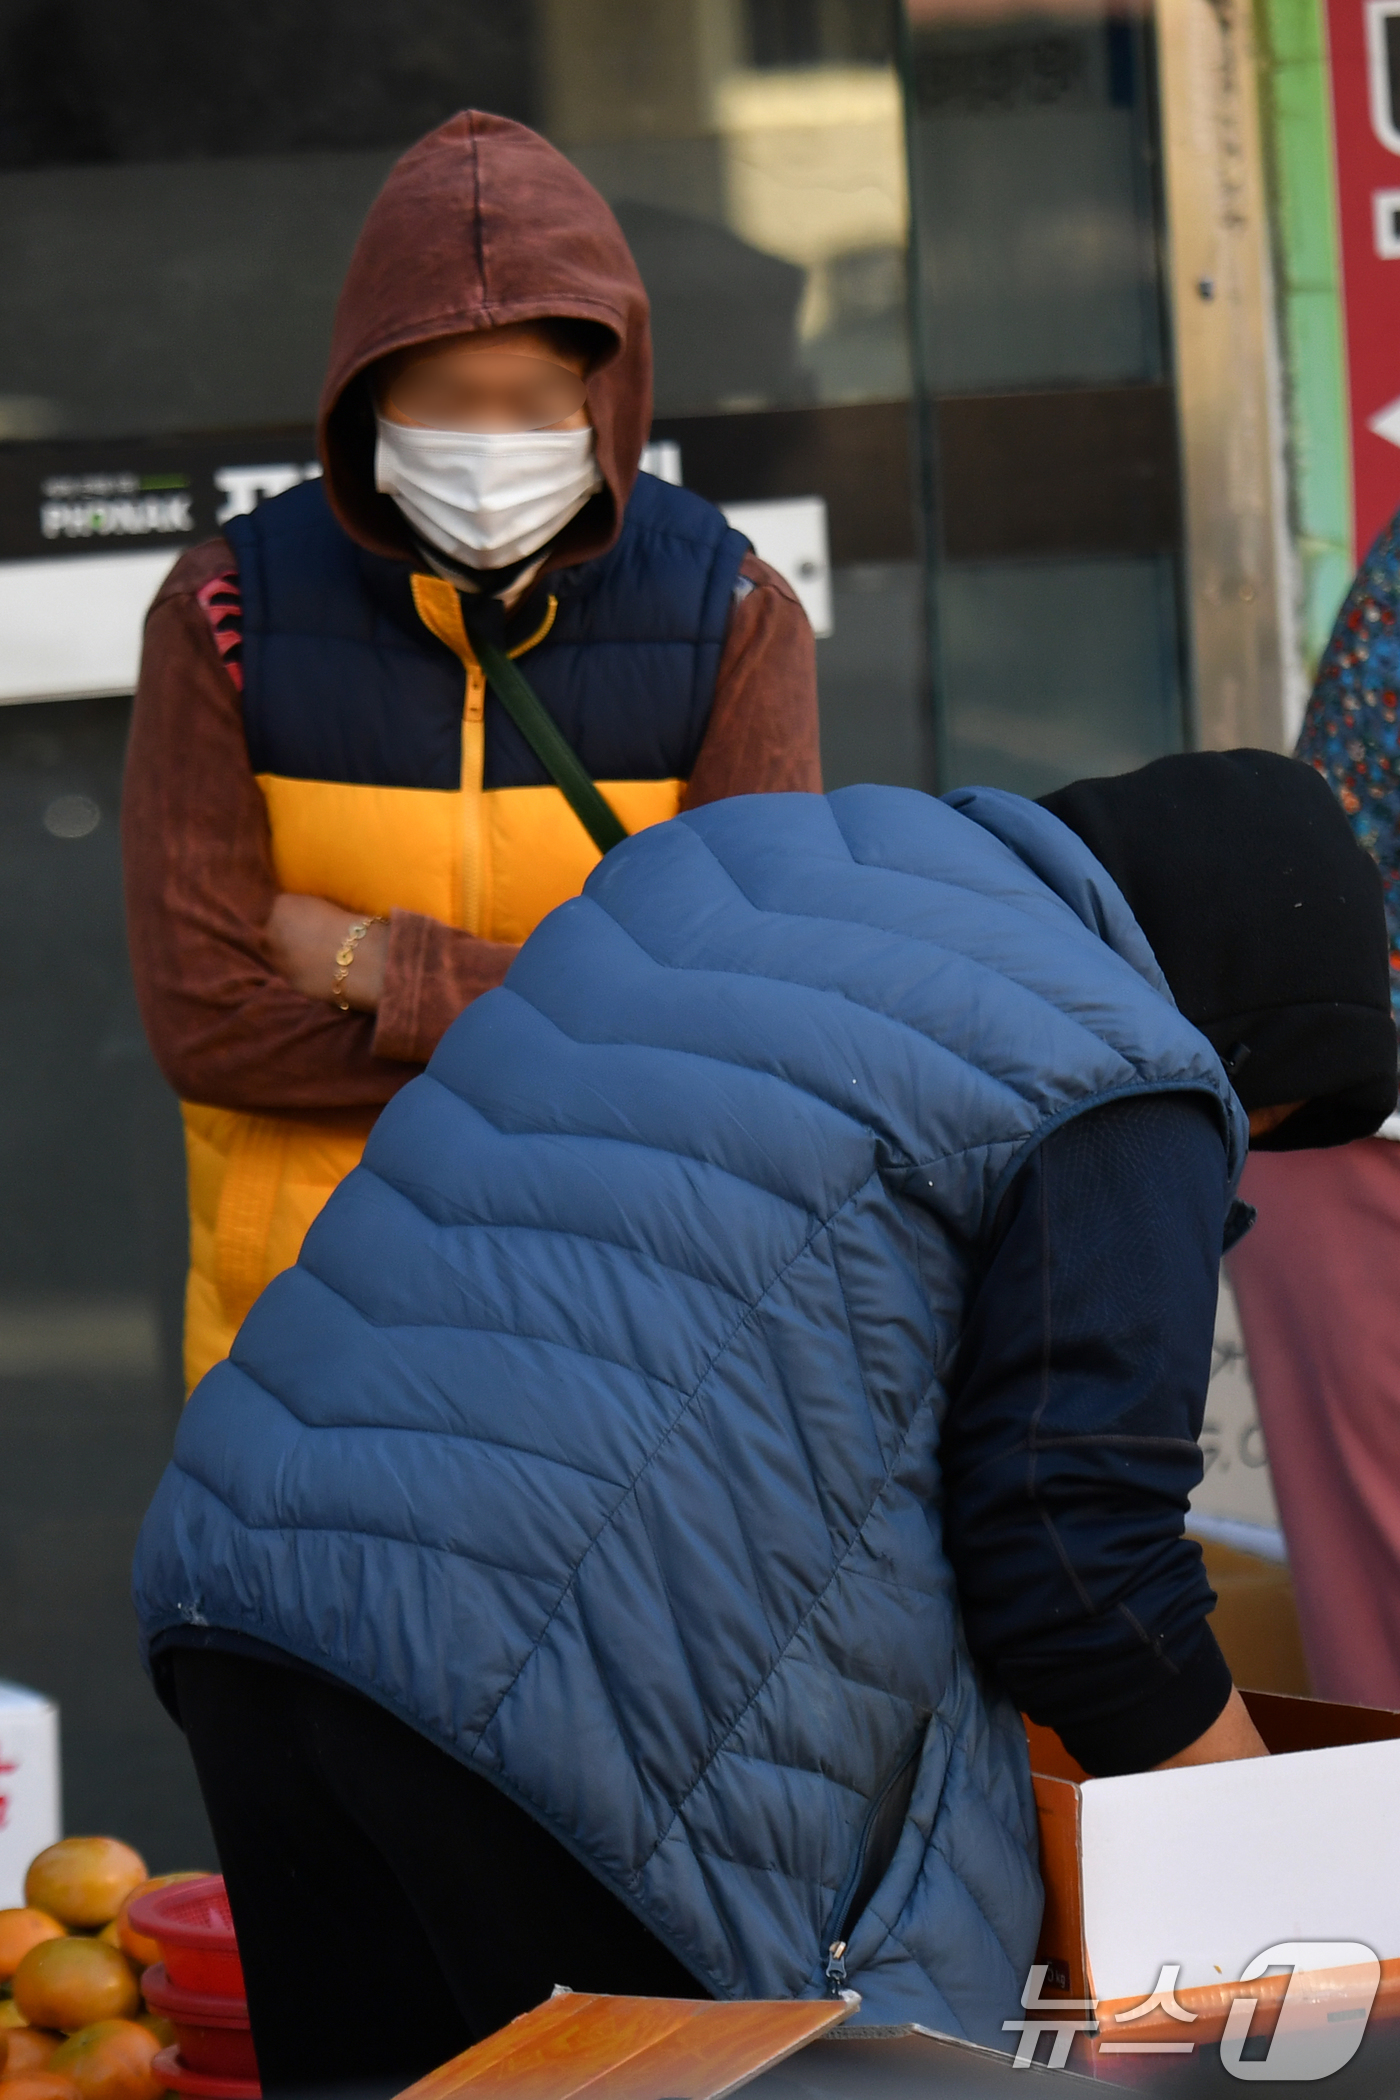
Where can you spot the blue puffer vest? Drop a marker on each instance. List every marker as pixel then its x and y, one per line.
pixel 341 680
pixel 596 1432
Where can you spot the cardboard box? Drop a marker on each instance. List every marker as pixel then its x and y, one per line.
pixel 1203 1868
pixel 1255 1619
pixel 29 1787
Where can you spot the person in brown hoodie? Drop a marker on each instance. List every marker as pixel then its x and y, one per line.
pixel 336 833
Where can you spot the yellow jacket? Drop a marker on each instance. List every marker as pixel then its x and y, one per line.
pixel 491 861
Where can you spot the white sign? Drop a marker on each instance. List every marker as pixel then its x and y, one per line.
pixel 1385 225
pixel 790 533
pixel 1235 1500
pixel 662 457
pixel 71 630
pixel 29 1790
pixel 1379 16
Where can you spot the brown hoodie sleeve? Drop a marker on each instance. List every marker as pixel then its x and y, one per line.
pixel 762 738
pixel 225 1028
pixel 433 971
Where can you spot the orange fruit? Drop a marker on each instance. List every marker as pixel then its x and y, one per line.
pixel 161 2028
pixel 70 1983
pixel 111 2060
pixel 19 1931
pixel 83 1881
pixel 30 2049
pixel 10 2014
pixel 39 2085
pixel 144 1951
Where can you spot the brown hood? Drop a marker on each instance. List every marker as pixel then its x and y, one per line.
pixel 480 224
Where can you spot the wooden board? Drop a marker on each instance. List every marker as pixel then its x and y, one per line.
pixel 633 2048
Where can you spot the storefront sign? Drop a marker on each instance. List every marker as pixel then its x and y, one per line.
pixel 96 525
pixel 140 494
pixel 123 495
pixel 1365 73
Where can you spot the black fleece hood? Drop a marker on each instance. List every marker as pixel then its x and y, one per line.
pixel 1268 922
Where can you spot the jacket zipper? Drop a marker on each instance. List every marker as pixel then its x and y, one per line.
pixel 842 1917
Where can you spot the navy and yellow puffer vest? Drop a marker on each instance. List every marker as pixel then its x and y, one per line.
pixel 393 780
pixel 596 1432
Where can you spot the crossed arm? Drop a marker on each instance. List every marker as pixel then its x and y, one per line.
pixel 234 975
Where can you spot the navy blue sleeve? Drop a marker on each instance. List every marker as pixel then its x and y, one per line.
pixel 1070 1445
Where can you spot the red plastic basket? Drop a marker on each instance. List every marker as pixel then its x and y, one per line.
pixel 198 2084
pixel 212 2032
pixel 191 1924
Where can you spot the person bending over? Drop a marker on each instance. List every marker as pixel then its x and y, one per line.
pixel 761 1357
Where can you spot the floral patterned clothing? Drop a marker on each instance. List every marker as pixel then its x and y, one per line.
pixel 1350 730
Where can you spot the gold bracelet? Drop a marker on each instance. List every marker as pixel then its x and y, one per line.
pixel 345 955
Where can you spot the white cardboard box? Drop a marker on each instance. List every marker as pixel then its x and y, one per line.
pixel 1204 1867
pixel 30 1816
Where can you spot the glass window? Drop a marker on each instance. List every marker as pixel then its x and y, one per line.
pixel 1056 589
pixel 1037 238
pixel 179 194
pixel 1057 669
pixel 755 156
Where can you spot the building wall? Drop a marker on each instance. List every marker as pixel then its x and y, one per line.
pixel 1297 115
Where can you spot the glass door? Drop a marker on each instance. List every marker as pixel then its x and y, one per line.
pixel 754 151
pixel 1055 592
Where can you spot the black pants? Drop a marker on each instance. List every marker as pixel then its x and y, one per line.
pixel 391 1907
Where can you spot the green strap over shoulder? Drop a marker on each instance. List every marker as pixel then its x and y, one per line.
pixel 540 731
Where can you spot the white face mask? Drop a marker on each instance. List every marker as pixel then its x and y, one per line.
pixel 486 497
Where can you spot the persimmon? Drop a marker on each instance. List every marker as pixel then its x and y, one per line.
pixel 39 2085
pixel 110 2060
pixel 29 2049
pixel 70 1983
pixel 83 1880
pixel 19 1931
pixel 144 1951
pixel 161 2028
